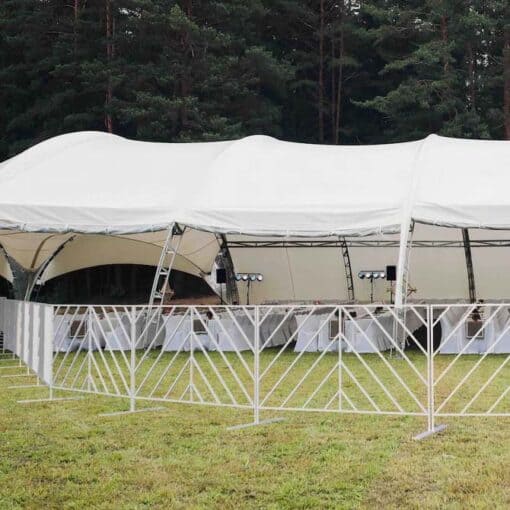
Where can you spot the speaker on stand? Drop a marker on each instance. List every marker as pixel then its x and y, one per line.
pixel 391 276
pixel 221 279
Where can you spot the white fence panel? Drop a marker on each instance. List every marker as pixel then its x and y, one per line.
pixel 28 333
pixel 423 360
pixel 471 359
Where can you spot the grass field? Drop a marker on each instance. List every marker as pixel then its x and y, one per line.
pixel 64 455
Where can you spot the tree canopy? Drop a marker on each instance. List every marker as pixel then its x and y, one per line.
pixel 322 71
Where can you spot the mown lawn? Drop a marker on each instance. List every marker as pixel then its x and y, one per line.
pixel 64 455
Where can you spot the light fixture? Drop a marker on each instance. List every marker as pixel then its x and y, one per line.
pixel 248 278
pixel 372 275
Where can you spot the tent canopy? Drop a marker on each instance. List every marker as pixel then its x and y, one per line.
pixel 122 194
pixel 100 183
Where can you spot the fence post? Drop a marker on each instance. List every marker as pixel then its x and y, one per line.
pixel 340 337
pixel 89 350
pixel 256 368
pixel 432 428
pixel 430 368
pixel 191 355
pixel 132 367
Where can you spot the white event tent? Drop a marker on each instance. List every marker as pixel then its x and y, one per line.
pixel 287 210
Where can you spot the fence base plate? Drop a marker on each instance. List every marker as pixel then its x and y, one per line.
pixel 255 423
pixel 17 386
pixel 145 410
pixel 54 399
pixel 428 433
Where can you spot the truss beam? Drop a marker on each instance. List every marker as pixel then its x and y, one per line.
pixel 165 264
pixel 348 269
pixel 368 243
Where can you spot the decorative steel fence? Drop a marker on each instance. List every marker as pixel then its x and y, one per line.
pixel 423 360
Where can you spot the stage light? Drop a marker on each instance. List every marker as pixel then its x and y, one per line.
pixel 371 276
pixel 249 278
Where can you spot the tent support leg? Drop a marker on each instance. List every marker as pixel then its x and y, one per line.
pixel 469 265
pixel 403 285
pixel 232 293
pixel 35 275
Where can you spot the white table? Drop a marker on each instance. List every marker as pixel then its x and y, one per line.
pixel 454 337
pixel 231 334
pixel 67 341
pixel 365 335
pixel 313 333
pixel 277 328
pixel 180 335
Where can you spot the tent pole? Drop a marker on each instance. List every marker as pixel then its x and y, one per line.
pixel 469 265
pixel 35 275
pixel 406 241
pixel 232 294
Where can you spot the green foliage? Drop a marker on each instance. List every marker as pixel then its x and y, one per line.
pixel 355 71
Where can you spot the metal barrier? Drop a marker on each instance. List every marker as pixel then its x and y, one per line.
pixel 430 361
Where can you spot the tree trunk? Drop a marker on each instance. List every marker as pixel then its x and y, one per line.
pixel 321 73
pixel 444 38
pixel 109 57
pixel 185 84
pixel 471 76
pixel 506 83
pixel 75 25
pixel 339 81
pixel 333 88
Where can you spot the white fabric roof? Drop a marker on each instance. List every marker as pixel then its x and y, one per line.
pixel 95 182
pixel 122 193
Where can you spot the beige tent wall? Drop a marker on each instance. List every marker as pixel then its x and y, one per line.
pixel 196 254
pixel 491 266
pixel 438 273
pixel 31 249
pixel 309 274
pixel 292 273
pixel 435 273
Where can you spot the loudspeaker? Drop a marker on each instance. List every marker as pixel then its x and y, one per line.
pixel 391 273
pixel 221 276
